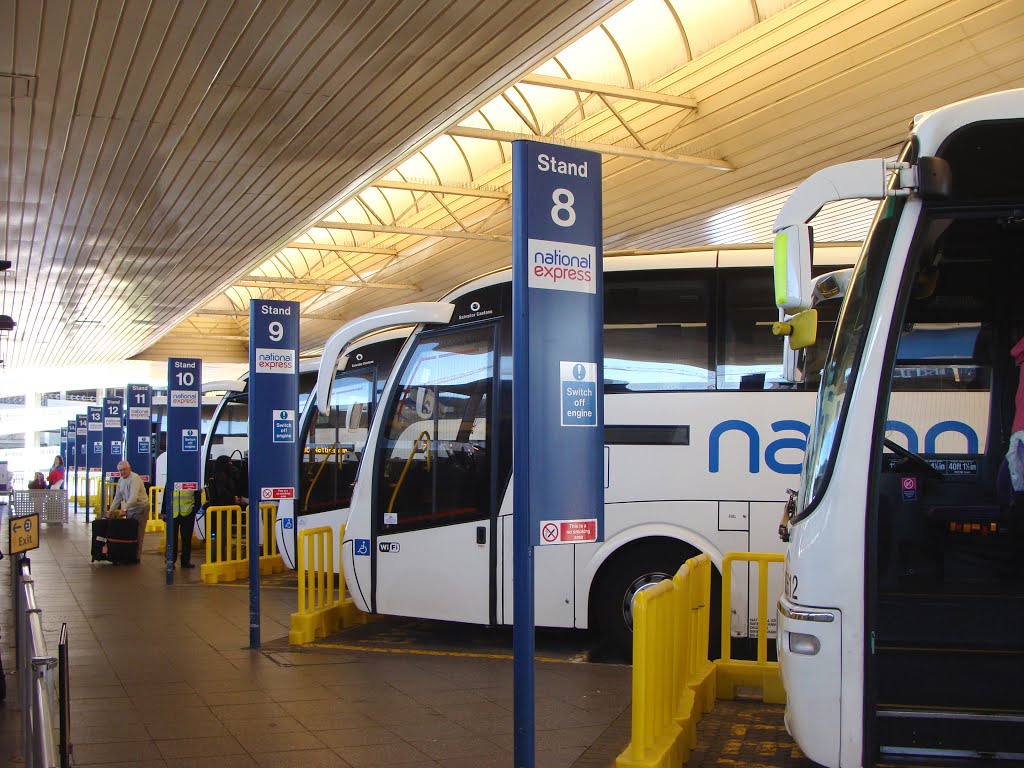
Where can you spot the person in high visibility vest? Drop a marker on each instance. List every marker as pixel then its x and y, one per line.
pixel 183 508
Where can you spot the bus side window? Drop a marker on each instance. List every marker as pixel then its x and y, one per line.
pixel 330 460
pixel 656 331
pixel 748 354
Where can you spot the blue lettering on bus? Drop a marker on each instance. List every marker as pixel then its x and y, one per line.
pixel 742 426
pixel 773 448
pixel 950 426
pixel 906 430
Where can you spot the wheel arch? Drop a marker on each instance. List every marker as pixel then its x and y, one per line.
pixel 630 539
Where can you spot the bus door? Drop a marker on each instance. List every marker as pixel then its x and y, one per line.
pixel 946 625
pixel 434 503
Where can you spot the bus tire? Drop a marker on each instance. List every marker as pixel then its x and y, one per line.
pixel 637 567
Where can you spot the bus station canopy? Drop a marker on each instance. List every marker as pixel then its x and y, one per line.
pixel 165 163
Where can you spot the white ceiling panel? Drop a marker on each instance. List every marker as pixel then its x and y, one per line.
pixel 159 156
pixel 160 150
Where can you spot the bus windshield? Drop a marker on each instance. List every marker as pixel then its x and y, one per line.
pixel 840 370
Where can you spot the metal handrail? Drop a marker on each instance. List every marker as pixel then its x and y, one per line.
pixel 37 686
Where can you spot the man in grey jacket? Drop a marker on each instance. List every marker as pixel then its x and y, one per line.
pixel 131 495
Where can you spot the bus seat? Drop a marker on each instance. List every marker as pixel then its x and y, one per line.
pixel 750 382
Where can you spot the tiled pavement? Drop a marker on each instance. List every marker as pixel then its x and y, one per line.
pixel 161 676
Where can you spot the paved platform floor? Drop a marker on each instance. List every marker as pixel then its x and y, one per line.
pixel 162 676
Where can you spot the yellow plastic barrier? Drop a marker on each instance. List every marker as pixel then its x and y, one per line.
pixel 322 609
pixel 227 560
pixel 736 673
pixel 673 681
pixel 93 498
pixel 156 498
pixel 270 559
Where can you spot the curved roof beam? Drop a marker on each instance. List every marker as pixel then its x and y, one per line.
pixel 682 30
pixel 622 56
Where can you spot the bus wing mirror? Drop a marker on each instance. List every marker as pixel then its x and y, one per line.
pixel 801 331
pixel 793 246
pixel 934 178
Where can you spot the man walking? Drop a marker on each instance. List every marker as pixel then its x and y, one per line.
pixel 131 495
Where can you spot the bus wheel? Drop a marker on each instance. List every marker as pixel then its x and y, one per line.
pixel 632 571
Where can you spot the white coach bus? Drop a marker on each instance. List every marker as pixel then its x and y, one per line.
pixel 901 627
pixel 332 443
pixel 702 438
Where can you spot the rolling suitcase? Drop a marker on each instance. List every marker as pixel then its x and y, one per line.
pixel 115 539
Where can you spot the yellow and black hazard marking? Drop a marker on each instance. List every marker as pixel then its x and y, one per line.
pixel 747 734
pixel 287 580
pixel 391 634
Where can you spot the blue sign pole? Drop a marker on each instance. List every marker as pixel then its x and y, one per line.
pixel 184 421
pixel 113 444
pixel 94 455
pixel 64 452
pixel 273 407
pixel 558 482
pixel 82 444
pixel 137 449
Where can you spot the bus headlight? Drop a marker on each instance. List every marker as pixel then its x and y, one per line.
pixel 808 645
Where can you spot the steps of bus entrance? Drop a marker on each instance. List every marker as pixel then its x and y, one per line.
pixel 950 676
pixel 964 737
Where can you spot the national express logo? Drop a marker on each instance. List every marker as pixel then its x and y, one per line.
pixel 561 266
pixel 187 398
pixel 275 360
pixel 800 431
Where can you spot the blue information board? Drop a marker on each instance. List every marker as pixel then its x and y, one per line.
pixel 273 404
pixel 137 449
pixel 94 454
pixel 184 400
pixel 113 437
pixel 64 448
pixel 113 442
pixel 71 457
pixel 82 441
pixel 184 420
pixel 557 289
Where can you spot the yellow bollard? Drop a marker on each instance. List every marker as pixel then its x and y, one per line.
pixel 270 560
pixel 154 524
pixel 225 559
pixel 321 611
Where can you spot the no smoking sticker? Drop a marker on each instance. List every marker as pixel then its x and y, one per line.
pixel 271 494
pixel 568 531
